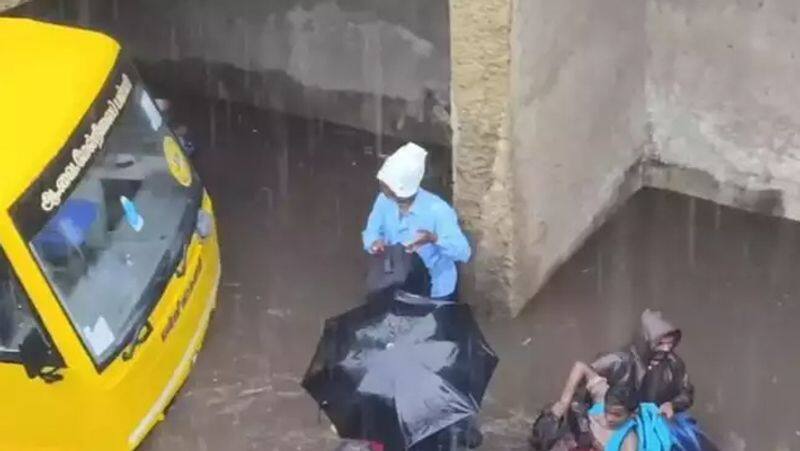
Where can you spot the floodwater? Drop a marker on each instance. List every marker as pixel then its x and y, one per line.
pixel 291 197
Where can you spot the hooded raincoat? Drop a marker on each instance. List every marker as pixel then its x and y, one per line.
pixel 658 382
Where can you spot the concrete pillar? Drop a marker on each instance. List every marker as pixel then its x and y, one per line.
pixel 480 59
pixel 549 132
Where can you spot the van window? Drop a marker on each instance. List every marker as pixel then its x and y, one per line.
pixel 110 242
pixel 16 319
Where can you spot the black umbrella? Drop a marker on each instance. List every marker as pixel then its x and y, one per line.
pixel 399 370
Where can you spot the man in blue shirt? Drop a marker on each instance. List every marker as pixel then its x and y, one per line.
pixel 405 214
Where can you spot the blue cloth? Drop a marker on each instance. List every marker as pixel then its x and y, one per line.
pixel 652 430
pixel 687 434
pixel 428 212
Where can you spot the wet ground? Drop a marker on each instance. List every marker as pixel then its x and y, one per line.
pixel 291 197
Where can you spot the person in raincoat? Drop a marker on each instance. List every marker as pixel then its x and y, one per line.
pixel 406 214
pixel 617 421
pixel 659 376
pixel 652 366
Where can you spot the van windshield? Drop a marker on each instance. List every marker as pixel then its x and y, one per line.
pixel 118 217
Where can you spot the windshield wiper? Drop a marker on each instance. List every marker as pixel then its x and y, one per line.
pixel 180 270
pixel 186 231
pixel 141 335
pixel 172 262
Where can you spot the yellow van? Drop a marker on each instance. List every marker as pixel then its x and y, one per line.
pixel 109 260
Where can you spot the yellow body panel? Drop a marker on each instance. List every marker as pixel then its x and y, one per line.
pixel 49 78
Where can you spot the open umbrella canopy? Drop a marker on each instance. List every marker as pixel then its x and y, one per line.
pixel 400 369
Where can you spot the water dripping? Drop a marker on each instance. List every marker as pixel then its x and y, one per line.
pixel 228 118
pixel 212 124
pixel 599 273
pixel 174 50
pixel 283 171
pixel 338 204
pixel 692 231
pixel 84 13
pixel 246 61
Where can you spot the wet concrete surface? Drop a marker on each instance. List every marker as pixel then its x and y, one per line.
pixel 291 197
pixel 380 66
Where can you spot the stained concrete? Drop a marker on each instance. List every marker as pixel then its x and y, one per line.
pixel 593 101
pixel 723 98
pixel 483 194
pixel 8 4
pixel 378 66
pixel 549 132
pixel 579 125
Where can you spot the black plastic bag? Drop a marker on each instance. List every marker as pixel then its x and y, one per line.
pixel 547 430
pixel 396 269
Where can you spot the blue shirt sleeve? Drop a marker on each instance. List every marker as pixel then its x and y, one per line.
pixel 451 240
pixel 374 230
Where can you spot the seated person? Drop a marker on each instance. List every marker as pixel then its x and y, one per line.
pixel 659 375
pixel 613 408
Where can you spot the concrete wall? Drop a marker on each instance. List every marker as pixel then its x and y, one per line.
pixel 579 126
pixel 724 102
pixel 8 4
pixel 383 66
pixel 606 97
pixel 483 190
pixel 550 125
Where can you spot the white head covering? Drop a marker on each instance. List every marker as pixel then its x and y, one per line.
pixel 402 172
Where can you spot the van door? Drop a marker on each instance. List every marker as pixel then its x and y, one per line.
pixel 35 411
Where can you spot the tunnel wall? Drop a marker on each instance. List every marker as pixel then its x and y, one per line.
pixel 550 126
pixel 483 188
pixel 694 97
pixel 8 4
pixel 579 124
pixel 723 100
pixel 377 66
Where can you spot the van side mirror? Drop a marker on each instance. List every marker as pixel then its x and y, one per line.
pixel 39 358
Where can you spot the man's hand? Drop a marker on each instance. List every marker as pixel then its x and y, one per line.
pixel 559 408
pixel 423 237
pixel 378 247
pixel 667 410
